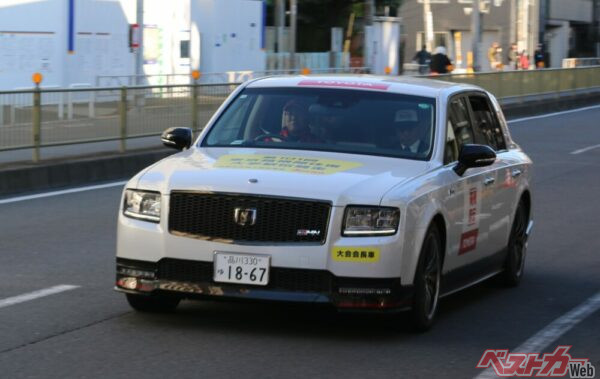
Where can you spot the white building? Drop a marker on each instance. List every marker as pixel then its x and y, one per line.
pixel 88 41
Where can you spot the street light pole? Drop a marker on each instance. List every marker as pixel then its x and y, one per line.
pixel 476 33
pixel 428 25
pixel 139 56
pixel 293 13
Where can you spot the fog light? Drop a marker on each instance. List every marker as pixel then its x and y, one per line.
pixel 128 283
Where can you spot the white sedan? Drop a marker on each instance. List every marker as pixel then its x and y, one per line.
pixel 362 192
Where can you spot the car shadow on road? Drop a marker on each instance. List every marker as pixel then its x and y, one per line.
pixel 302 320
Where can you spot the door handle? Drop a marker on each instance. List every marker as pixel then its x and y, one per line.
pixel 489 181
pixel 516 172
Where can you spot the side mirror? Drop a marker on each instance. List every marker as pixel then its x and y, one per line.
pixel 474 156
pixel 177 138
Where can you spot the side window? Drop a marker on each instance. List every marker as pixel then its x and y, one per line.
pixel 459 131
pixel 486 129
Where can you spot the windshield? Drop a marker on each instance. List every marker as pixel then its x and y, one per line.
pixel 337 120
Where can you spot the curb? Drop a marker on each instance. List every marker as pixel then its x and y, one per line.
pixel 73 172
pixel 540 104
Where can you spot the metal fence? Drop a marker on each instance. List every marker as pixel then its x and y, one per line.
pixel 33 119
pixel 521 83
pixel 38 118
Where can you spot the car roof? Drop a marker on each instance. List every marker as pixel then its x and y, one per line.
pixel 397 84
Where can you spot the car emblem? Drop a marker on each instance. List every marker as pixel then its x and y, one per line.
pixel 308 232
pixel 244 216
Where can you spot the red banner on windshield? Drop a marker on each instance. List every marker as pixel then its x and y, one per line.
pixel 343 83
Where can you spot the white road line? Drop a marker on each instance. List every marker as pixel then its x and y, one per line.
pixel 584 149
pixel 61 192
pixel 36 295
pixel 552 332
pixel 553 114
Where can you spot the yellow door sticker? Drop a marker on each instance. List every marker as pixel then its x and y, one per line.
pixel 303 165
pixel 357 254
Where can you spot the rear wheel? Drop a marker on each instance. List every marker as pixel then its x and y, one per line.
pixel 517 249
pixel 427 281
pixel 152 303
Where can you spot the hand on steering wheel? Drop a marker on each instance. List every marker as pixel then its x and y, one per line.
pixel 269 137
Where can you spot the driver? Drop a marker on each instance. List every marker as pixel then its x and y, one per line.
pixel 408 131
pixel 294 123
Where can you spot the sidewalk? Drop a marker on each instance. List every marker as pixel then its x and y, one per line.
pixel 20 177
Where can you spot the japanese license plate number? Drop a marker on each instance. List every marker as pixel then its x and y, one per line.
pixel 241 268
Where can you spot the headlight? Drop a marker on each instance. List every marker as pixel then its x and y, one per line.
pixel 142 204
pixel 370 221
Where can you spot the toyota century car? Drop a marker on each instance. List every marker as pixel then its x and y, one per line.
pixel 365 193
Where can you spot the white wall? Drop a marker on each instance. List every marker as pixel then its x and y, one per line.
pixel 32 46
pixel 225 36
pixel 101 42
pixel 383 41
pixel 230 33
pixel 166 25
pixel 34 37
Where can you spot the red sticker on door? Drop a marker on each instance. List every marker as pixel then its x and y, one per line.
pixel 468 241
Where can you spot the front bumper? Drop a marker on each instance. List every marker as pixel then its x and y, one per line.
pixel 194 279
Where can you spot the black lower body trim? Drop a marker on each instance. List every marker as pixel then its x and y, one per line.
pixel 194 279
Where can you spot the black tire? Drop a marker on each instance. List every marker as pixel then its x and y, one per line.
pixel 152 303
pixel 516 249
pixel 427 281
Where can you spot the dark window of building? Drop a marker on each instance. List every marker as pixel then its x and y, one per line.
pixel 184 49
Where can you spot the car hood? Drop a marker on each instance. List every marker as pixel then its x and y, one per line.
pixel 339 178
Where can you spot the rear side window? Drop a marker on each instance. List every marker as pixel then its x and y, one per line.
pixel 486 127
pixel 459 130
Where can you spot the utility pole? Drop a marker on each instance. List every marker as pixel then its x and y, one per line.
pixel 279 23
pixel 139 56
pixel 428 24
pixel 596 23
pixel 513 22
pixel 369 12
pixel 476 33
pixel 293 14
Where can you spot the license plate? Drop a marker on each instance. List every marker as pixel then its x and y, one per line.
pixel 241 268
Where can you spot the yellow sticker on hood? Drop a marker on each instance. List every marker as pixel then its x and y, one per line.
pixel 303 165
pixel 357 254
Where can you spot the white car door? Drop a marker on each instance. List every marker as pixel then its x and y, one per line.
pixel 469 199
pixel 497 189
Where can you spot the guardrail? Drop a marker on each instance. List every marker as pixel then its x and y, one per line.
pixel 520 83
pixel 34 118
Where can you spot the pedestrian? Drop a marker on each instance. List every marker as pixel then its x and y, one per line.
pixel 422 58
pixel 524 60
pixel 513 57
pixel 494 56
pixel 539 57
pixel 440 63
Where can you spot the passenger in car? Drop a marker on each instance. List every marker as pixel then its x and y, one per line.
pixel 294 123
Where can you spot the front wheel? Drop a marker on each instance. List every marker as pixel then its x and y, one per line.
pixel 427 281
pixel 152 303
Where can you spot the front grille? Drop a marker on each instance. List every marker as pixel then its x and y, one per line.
pixel 285 279
pixel 211 216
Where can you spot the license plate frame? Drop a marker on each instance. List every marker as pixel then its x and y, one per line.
pixel 225 268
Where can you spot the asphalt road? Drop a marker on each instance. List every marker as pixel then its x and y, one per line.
pixel 90 331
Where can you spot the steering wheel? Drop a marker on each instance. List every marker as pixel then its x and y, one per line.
pixel 274 137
